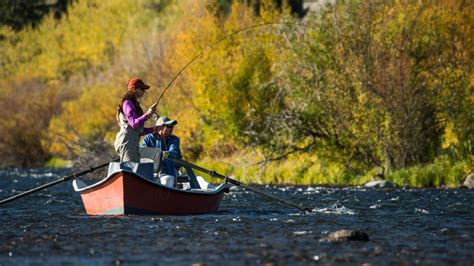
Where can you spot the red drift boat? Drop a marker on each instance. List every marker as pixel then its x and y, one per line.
pixel 129 189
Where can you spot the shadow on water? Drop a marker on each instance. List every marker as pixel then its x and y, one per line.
pixel 427 226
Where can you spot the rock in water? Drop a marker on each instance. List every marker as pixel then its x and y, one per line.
pixel 469 182
pixel 380 184
pixel 345 235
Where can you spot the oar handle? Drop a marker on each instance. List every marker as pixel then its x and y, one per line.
pixel 237 183
pixel 61 180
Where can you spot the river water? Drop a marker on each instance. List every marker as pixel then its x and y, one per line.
pixel 405 226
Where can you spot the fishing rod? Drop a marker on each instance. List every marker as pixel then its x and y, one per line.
pixel 217 43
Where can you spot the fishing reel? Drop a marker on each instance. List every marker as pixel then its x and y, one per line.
pixel 155 116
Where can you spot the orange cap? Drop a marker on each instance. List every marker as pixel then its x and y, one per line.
pixel 136 83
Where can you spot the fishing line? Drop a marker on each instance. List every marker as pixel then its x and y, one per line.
pixel 166 101
pixel 218 42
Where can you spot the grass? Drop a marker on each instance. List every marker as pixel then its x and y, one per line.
pixel 308 170
pixel 440 173
pixel 56 162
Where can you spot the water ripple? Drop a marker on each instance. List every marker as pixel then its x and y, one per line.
pixel 405 226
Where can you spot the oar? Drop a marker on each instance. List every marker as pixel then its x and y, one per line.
pixel 237 183
pixel 66 178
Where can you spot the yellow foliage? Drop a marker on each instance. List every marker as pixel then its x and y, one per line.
pixel 95 35
pixel 207 85
pixel 449 138
pixel 83 40
pixel 86 118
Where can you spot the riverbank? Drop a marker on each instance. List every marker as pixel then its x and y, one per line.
pixel 307 170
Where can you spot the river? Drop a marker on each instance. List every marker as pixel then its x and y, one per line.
pixel 405 226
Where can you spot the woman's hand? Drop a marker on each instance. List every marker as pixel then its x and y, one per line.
pixel 151 110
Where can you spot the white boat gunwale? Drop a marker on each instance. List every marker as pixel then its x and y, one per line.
pixel 80 186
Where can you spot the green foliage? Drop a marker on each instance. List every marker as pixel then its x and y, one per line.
pixel 440 173
pixel 359 84
pixel 307 170
pixel 56 162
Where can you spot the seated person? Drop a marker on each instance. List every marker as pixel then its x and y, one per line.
pixel 163 139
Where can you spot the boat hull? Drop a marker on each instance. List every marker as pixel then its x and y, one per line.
pixel 124 193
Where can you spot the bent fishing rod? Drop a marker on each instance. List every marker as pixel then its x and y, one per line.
pixel 217 43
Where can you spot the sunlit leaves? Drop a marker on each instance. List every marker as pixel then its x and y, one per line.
pixel 82 120
pixel 57 61
pixel 360 84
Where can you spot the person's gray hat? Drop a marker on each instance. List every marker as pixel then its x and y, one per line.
pixel 164 120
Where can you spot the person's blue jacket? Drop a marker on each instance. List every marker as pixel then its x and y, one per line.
pixel 170 144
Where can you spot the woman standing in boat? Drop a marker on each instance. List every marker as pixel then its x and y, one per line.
pixel 131 119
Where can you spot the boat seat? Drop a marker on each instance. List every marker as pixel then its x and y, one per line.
pixel 143 169
pixel 183 182
pixel 183 178
pixel 187 177
pixel 153 154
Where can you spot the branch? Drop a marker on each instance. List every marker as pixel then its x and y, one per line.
pixel 286 154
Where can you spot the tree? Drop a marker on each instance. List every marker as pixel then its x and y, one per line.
pixel 18 14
